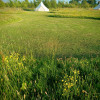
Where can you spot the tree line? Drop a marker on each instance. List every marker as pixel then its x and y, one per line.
pixel 49 3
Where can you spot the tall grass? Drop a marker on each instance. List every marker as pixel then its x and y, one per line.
pixel 30 78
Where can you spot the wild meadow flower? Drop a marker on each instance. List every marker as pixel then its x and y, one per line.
pixel 6 59
pixel 75 71
pixel 65 89
pixel 1 79
pixel 62 80
pixel 24 58
pixel 11 56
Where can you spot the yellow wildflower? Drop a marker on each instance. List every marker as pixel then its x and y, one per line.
pixel 66 83
pixel 1 80
pixel 78 72
pixel 24 58
pixel 65 89
pixel 75 71
pixel 72 84
pixel 6 60
pixel 11 56
pixel 62 80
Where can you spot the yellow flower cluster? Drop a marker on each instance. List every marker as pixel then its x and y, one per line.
pixel 24 58
pixel 6 59
pixel 12 58
pixel 76 72
pixel 70 81
pixel 13 63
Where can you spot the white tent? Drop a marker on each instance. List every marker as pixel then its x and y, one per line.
pixel 41 7
pixel 97 7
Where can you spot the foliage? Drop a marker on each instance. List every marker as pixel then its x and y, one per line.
pixel 61 4
pixel 49 3
pixel 53 3
pixel 92 2
pixel 11 3
pixel 85 4
pixel 2 4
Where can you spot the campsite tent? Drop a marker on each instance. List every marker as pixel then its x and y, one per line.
pixel 41 7
pixel 97 7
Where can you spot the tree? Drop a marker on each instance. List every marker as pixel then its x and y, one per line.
pixel 92 2
pixel 7 4
pixel 85 4
pixel 74 2
pixel 2 4
pixel 47 3
pixel 31 4
pixel 38 2
pixel 26 1
pixel 18 4
pixel 35 3
pixel 24 4
pixel 53 4
pixel 61 4
pixel 11 3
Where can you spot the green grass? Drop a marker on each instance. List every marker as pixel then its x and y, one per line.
pixel 38 34
pixel 76 13
pixel 49 55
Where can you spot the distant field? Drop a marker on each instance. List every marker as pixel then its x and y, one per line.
pixel 49 55
pixel 76 13
pixel 35 32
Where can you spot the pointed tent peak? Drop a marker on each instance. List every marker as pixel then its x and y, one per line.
pixel 41 2
pixel 41 7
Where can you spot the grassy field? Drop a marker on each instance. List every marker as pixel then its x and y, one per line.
pixel 76 13
pixel 38 34
pixel 50 55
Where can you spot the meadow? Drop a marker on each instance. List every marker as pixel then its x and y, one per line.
pixel 50 55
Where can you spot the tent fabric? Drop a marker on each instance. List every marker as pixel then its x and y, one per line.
pixel 41 7
pixel 97 7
